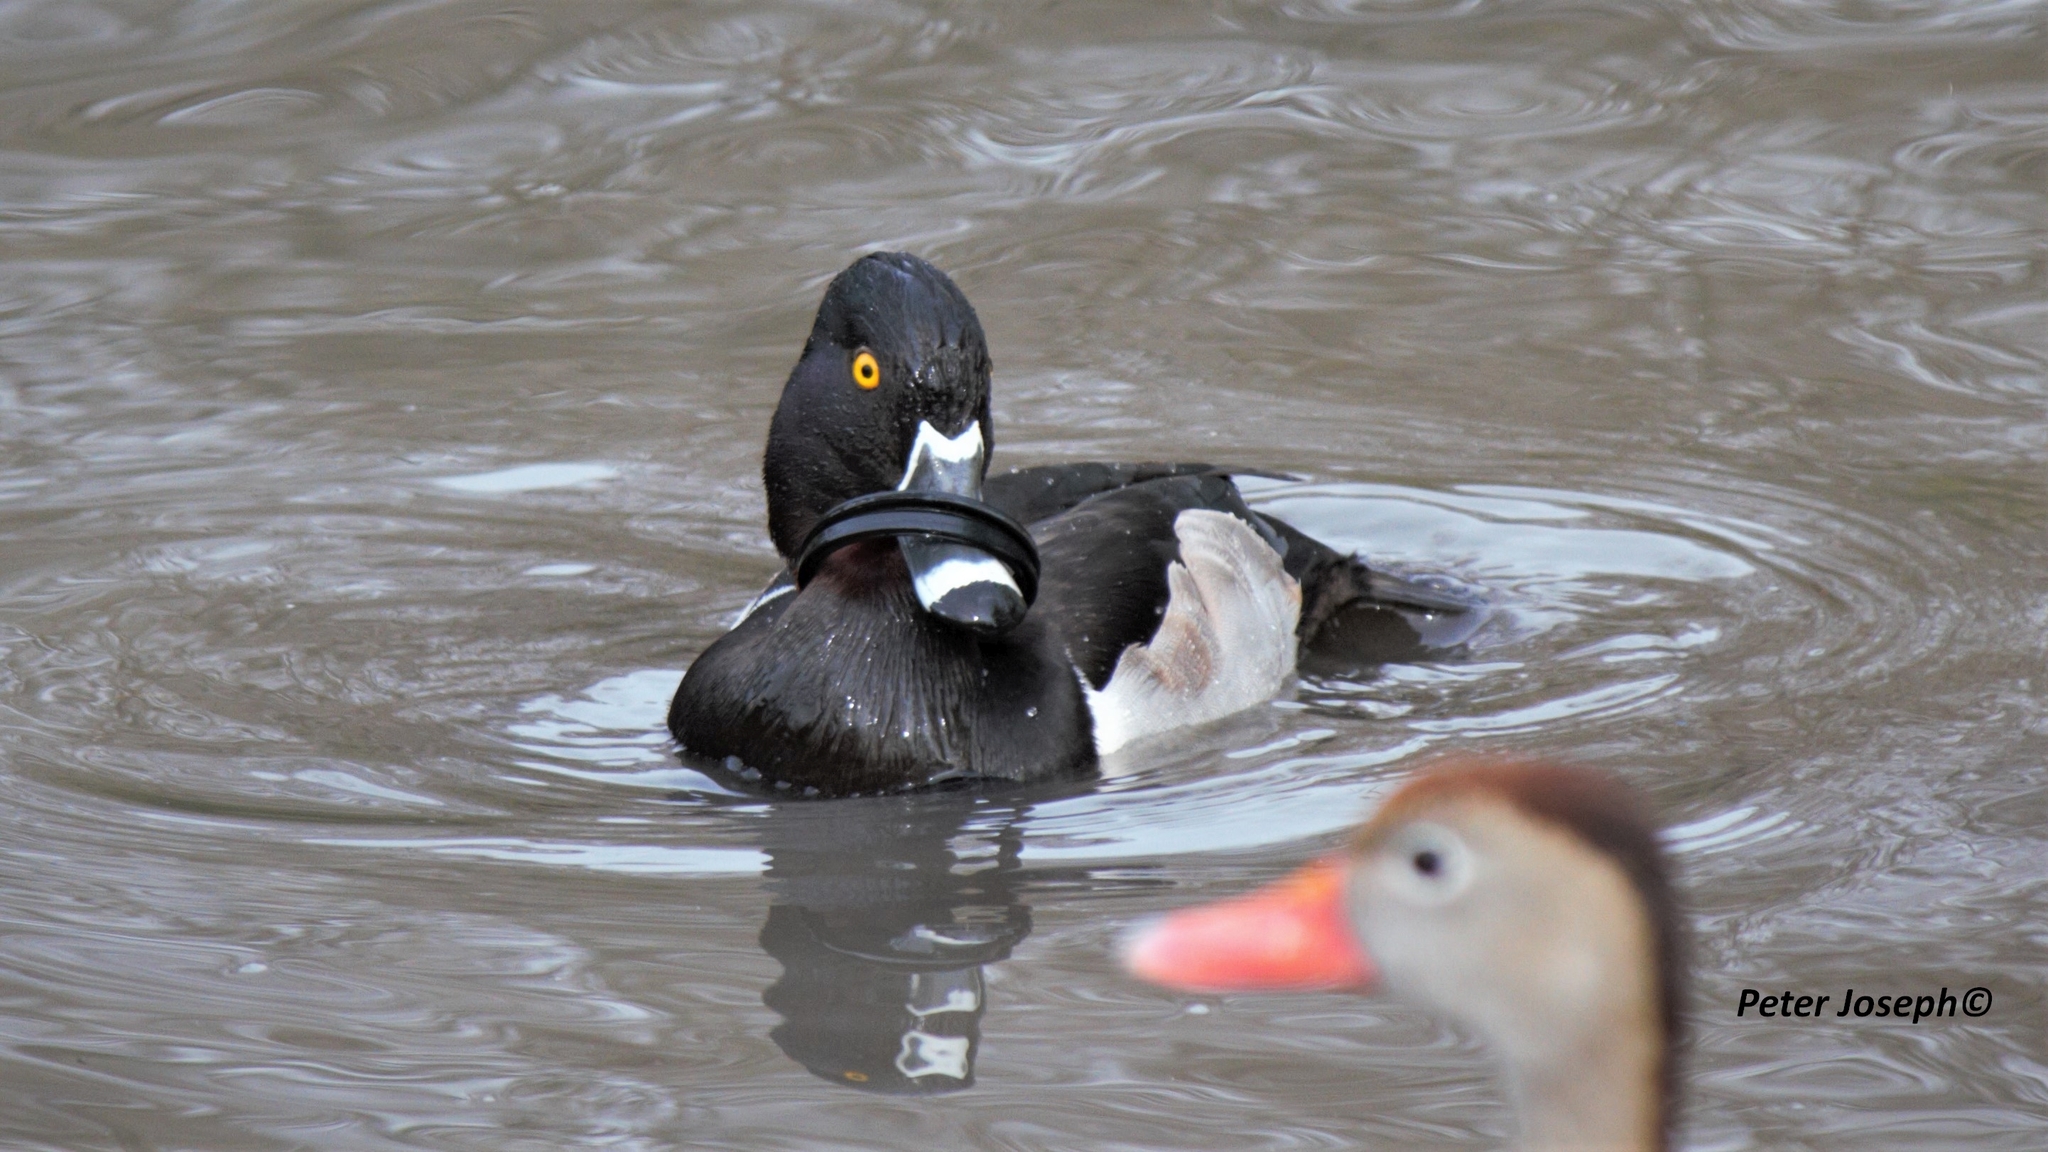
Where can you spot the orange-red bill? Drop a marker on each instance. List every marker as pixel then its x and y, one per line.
pixel 1292 934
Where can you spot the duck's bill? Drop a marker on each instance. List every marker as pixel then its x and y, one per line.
pixel 956 582
pixel 964 585
pixel 1291 934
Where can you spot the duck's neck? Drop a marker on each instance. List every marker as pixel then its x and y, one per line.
pixel 1609 1096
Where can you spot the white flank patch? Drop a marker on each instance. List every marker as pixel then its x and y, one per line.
pixel 938 568
pixel 1225 643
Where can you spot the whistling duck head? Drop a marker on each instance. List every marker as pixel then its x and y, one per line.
pixel 1528 901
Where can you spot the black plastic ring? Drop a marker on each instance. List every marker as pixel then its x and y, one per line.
pixel 939 515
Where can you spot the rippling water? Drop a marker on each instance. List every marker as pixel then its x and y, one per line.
pixel 381 395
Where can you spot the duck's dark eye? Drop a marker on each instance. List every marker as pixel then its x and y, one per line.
pixel 1428 863
pixel 867 371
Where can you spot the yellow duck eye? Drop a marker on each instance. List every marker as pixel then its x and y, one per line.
pixel 867 371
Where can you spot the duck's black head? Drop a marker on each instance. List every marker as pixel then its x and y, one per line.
pixel 892 392
pixel 895 346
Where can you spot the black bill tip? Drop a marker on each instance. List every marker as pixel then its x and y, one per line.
pixel 985 607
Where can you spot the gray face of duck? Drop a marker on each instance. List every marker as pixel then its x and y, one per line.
pixel 892 392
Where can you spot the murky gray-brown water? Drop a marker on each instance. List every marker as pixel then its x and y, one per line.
pixel 382 388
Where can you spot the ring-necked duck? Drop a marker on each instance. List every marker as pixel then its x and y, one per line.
pixel 1529 901
pixel 934 623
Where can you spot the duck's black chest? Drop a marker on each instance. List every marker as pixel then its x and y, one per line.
pixel 847 686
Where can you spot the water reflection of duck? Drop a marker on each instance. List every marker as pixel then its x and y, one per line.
pixel 1528 901
pixel 901 646
pixel 886 909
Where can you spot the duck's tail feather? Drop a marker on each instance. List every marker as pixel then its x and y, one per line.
pixel 1354 617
